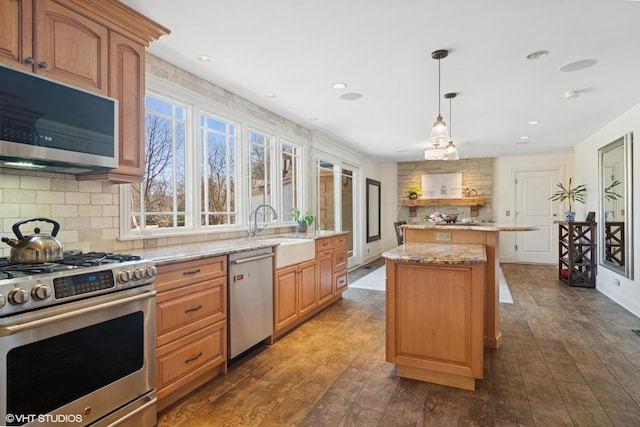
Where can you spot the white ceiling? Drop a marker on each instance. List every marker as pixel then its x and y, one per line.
pixel 296 49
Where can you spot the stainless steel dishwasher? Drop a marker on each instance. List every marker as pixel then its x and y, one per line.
pixel 250 299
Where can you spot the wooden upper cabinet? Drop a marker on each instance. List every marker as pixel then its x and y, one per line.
pixel 96 45
pixel 70 48
pixel 16 33
pixel 126 83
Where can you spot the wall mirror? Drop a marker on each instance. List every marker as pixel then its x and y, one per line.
pixel 373 210
pixel 615 205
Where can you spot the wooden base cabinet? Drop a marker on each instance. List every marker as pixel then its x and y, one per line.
pixel 301 291
pixel 434 319
pixel 191 325
pixel 295 294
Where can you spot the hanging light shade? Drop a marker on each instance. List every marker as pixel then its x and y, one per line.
pixel 450 151
pixel 439 131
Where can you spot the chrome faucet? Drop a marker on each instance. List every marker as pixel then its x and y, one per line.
pixel 253 226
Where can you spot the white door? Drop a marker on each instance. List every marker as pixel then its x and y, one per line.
pixel 533 207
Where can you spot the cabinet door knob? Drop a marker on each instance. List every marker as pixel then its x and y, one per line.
pixel 29 60
pixel 43 65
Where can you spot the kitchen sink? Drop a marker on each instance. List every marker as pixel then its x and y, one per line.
pixel 292 251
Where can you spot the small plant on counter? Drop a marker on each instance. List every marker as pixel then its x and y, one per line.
pixel 413 192
pixel 303 219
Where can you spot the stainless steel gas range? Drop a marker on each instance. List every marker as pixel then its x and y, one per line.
pixel 77 341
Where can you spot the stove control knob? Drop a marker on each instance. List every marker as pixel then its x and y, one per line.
pixel 3 300
pixel 40 292
pixel 124 276
pixel 18 296
pixel 151 271
pixel 138 274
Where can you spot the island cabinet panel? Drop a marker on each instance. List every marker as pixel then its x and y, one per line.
pixel 191 326
pixel 434 322
pixel 492 333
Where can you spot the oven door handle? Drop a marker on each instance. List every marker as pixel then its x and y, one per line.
pixel 21 327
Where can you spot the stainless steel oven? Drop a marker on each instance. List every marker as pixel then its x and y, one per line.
pixel 77 345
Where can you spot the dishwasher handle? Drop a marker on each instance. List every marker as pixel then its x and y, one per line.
pixel 251 259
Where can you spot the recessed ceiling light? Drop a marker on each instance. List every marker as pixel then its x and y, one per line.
pixel 205 58
pixel 270 95
pixel 578 65
pixel 339 85
pixel 534 122
pixel 571 94
pixel 524 137
pixel 538 54
pixel 353 96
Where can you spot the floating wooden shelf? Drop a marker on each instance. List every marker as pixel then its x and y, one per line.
pixel 473 203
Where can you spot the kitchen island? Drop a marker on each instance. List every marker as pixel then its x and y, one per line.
pixel 434 312
pixel 486 234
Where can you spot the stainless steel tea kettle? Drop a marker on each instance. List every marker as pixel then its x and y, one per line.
pixel 38 248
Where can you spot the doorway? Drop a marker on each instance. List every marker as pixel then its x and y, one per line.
pixel 533 207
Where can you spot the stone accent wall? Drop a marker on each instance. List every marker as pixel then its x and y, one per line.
pixel 477 174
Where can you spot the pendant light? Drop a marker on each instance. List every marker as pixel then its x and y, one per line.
pixel 450 152
pixel 439 132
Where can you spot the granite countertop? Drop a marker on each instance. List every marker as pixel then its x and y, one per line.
pixel 194 251
pixel 479 226
pixel 438 253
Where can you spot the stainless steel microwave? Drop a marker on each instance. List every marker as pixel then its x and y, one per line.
pixel 47 124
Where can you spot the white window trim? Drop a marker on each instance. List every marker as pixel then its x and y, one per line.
pixel 198 103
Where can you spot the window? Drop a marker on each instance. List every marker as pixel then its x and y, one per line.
pixel 159 201
pixel 217 171
pixel 290 160
pixel 199 161
pixel 259 168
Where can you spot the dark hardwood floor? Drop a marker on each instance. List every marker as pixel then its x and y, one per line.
pixel 569 358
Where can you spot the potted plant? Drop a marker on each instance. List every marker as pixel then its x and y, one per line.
pixel 573 194
pixel 413 192
pixel 303 220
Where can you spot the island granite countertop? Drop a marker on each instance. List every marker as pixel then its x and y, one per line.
pixel 479 226
pixel 438 253
pixel 199 250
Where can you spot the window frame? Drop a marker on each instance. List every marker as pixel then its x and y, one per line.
pixel 200 104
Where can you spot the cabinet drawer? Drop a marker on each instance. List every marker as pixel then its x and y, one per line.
pixel 182 311
pixel 339 241
pixel 185 273
pixel 178 359
pixel 341 259
pixel 323 244
pixel 341 280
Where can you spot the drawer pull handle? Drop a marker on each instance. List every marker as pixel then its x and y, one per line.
pixel 190 310
pixel 191 272
pixel 192 358
pixel 326 253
